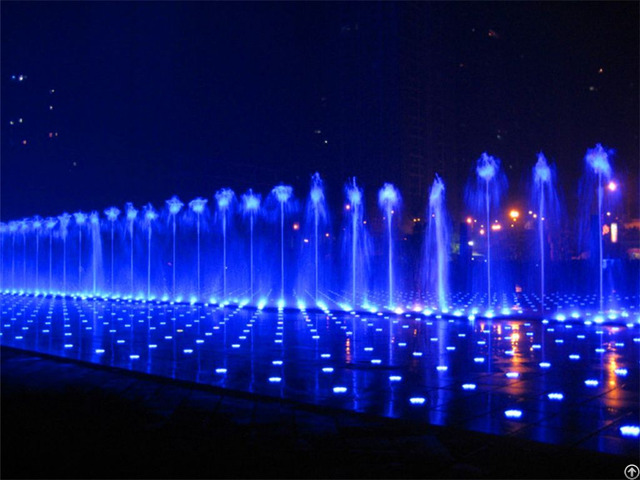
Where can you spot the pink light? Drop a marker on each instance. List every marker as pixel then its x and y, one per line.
pixel 612 186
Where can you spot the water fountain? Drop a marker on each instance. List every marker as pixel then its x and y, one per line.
pixel 81 218
pixel 64 222
pixel 131 214
pixel 149 215
pixel 37 225
pixel 597 160
pixel 24 227
pixel 282 194
pixel 546 199
pixel 198 205
pixel 389 199
pixel 318 207
pixel 224 197
pixel 96 249
pixel 359 253
pixel 175 205
pixel 50 223
pixel 489 184
pixel 112 214
pixel 251 206
pixel 437 243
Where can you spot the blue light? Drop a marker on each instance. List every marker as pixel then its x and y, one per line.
pixel 327 370
pixel 442 368
pixel 395 378
pixel 591 382
pixel 469 386
pixel 574 356
pixel 544 365
pixel 417 400
pixel 512 374
pixel 275 379
pixel 221 370
pixel 630 431
pixel 478 359
pixel 555 396
pixel 514 414
pixel 339 389
pixel 621 372
pixel 277 362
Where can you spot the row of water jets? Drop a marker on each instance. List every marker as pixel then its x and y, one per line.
pixel 483 196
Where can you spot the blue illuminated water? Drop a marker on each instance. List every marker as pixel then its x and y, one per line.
pixel 555 381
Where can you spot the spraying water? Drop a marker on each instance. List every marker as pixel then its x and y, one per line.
pixel 597 159
pixel 50 223
pixel 438 243
pixel 149 215
pixel 388 199
pixel 283 194
pixel 250 206
pixel 131 213
pixel 64 222
pixel 354 196
pixel 175 205
pixel 545 197
pixel 316 196
pixel 112 215
pixel 224 197
pixel 81 218
pixel 24 226
pixel 197 205
pixel 37 225
pixel 96 250
pixel 489 183
pixel 13 228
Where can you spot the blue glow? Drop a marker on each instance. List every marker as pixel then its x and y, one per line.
pixel 275 379
pixel 621 372
pixel 513 413
pixel 327 369
pixel 469 386
pixel 339 389
pixel 544 365
pixel 555 396
pixel 591 382
pixel 417 400
pixel 630 431
pixel 221 370
pixel 395 378
pixel 512 374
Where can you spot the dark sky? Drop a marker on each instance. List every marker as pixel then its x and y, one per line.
pixel 153 99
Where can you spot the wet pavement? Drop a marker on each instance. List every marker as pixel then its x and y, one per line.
pixel 569 385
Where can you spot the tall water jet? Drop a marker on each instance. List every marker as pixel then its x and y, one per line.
pixel 50 223
pixel 250 206
pixel 354 196
pixel 149 215
pixel 13 228
pixel 37 225
pixel 197 205
pixel 112 215
pixel 24 227
pixel 81 218
pixel 388 200
pixel 224 197
pixel 489 184
pixel 437 251
pixel 546 199
pixel 175 205
pixel 131 214
pixel 282 194
pixel 317 203
pixel 96 248
pixel 64 222
pixel 597 159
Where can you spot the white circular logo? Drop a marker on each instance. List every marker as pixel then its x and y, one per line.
pixel 631 471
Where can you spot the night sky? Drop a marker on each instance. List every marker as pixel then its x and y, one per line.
pixel 137 101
